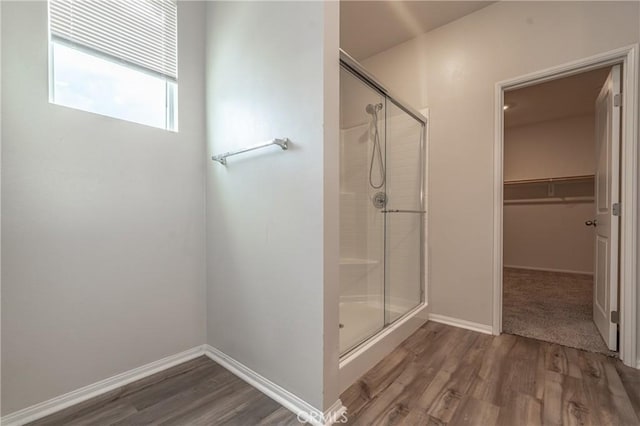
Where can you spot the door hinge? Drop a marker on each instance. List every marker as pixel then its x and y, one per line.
pixel 615 318
pixel 617 99
pixel 616 209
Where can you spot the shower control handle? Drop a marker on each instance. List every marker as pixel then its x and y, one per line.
pixel 593 223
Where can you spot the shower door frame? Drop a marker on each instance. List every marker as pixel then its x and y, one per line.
pixel 357 69
pixel 352 66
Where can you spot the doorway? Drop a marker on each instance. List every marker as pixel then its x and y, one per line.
pixel 549 233
pixel 619 310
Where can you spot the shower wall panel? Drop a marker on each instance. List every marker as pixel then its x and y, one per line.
pixel 361 226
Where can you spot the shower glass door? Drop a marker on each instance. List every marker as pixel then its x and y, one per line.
pixel 404 213
pixel 362 176
pixel 381 210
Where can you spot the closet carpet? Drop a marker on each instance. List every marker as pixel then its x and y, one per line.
pixel 552 306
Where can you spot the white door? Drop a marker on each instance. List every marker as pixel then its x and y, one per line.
pixel 607 194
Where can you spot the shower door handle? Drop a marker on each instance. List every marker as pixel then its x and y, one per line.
pixel 404 211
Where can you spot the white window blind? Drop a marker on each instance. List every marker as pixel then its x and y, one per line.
pixel 140 32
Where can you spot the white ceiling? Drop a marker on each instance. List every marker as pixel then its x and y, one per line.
pixel 565 97
pixel 370 27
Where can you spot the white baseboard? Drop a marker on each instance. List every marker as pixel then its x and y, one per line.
pixel 298 406
pixel 533 268
pixel 336 414
pixel 473 326
pixel 77 396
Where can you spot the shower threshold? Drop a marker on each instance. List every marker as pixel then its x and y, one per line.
pixel 360 358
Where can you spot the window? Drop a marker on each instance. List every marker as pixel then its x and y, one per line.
pixel 116 58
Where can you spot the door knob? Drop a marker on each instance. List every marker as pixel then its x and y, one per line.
pixel 593 223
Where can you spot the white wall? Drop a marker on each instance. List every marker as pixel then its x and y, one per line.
pixel 273 216
pixel 453 71
pixel 550 236
pixel 103 224
pixel 554 148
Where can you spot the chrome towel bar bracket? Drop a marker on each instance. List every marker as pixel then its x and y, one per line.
pixel 222 158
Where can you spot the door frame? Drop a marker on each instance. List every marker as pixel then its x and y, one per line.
pixel 628 57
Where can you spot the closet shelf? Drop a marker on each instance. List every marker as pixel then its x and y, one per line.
pixel 550 200
pixel 562 179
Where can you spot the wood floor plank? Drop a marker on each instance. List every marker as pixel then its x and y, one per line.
pixel 541 371
pixel 520 374
pixel 164 389
pixel 427 338
pixel 631 381
pixel 576 409
pixel 556 359
pixel 374 412
pixel 613 381
pixel 592 368
pixel 392 405
pixel 412 390
pixel 209 409
pixel 566 402
pixel 552 412
pixel 356 398
pixel 185 400
pixel 496 355
pixel 474 412
pixel 461 379
pixel 493 373
pixel 445 404
pixel 108 414
pixel 520 409
pixel 614 400
pixel 450 348
pixel 385 372
pixel 249 412
pixel 574 362
pixel 280 417
pixel 418 413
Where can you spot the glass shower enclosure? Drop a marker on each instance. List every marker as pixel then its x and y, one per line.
pixel 382 207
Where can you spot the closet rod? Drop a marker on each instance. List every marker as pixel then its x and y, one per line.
pixel 550 180
pixel 552 200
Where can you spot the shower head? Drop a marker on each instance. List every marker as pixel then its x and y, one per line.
pixel 372 109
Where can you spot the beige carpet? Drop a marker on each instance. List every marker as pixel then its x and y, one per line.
pixel 551 306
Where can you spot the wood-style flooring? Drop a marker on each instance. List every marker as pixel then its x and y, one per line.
pixel 446 375
pixel 199 392
pixel 440 375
